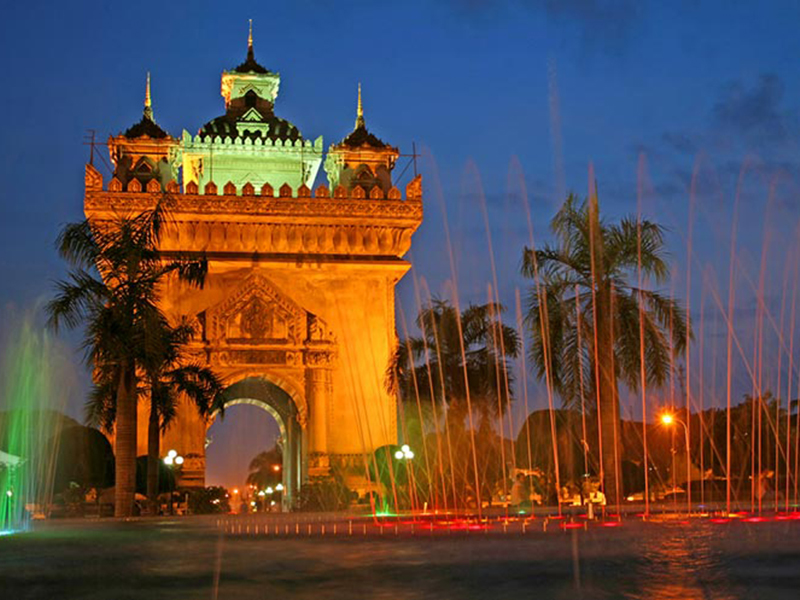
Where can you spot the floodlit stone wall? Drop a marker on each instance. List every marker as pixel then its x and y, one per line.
pixel 300 292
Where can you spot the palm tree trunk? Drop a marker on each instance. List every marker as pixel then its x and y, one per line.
pixel 125 446
pixel 569 447
pixel 609 400
pixel 604 331
pixel 153 450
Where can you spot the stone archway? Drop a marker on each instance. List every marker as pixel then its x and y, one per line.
pixel 304 313
pixel 300 285
pixel 261 392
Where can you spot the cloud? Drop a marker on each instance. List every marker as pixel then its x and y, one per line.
pixel 754 115
pixel 679 142
pixel 641 148
pixel 607 22
pixel 601 24
pixel 670 189
pixel 744 117
pixel 747 123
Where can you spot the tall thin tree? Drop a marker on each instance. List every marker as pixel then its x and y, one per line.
pixel 113 288
pixel 591 265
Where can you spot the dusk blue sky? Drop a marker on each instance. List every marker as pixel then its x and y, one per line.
pixel 493 93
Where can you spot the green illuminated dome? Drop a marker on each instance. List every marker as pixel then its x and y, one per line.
pixel 250 116
pixel 250 91
pixel 249 143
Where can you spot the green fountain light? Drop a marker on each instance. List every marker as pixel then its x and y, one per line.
pixel 29 427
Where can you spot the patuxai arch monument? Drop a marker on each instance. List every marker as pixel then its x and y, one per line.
pixel 297 313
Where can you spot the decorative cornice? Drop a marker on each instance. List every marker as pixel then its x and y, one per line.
pixel 344 222
pixel 212 206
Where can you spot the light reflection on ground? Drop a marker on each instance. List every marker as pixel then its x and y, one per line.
pixel 192 558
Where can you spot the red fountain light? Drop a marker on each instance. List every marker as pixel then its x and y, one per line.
pixel 756 519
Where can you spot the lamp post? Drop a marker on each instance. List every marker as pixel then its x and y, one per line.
pixel 7 519
pixel 668 419
pixel 277 468
pixel 406 454
pixel 279 490
pixel 270 491
pixel 173 460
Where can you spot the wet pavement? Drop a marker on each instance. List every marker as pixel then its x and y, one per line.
pixel 193 557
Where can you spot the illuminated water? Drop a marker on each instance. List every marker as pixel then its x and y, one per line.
pixel 29 428
pixel 191 558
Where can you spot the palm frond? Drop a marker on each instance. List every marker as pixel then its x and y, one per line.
pixel 564 269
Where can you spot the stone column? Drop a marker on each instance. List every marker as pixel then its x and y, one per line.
pixel 317 394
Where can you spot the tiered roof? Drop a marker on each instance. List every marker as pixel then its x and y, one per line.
pixel 147 126
pixel 360 136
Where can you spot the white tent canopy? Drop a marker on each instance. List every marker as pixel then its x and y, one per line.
pixel 9 460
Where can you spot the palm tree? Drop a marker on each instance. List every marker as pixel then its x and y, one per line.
pixel 167 376
pixel 583 313
pixel 170 376
pixel 265 468
pixel 457 354
pixel 113 288
pixel 460 361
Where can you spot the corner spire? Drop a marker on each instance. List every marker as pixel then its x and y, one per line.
pixel 148 102
pixel 250 54
pixel 359 110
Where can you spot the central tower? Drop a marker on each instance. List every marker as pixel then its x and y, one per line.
pixel 298 310
pixel 249 144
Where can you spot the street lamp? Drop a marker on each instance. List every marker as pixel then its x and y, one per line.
pixel 668 419
pixel 405 452
pixel 173 460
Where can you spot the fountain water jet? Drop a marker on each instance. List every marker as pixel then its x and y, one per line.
pixel 29 427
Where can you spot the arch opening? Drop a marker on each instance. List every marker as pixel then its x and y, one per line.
pixel 275 401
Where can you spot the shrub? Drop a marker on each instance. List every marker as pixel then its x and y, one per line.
pixel 208 500
pixel 323 494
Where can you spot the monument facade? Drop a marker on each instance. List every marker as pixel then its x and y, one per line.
pixel 297 313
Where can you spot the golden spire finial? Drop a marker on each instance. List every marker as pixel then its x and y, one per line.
pixel 250 36
pixel 148 102
pixel 359 109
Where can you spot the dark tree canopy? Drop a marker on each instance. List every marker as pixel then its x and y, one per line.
pixel 457 355
pixel 564 295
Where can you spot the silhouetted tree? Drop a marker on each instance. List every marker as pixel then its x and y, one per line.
pixel 113 289
pixel 582 290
